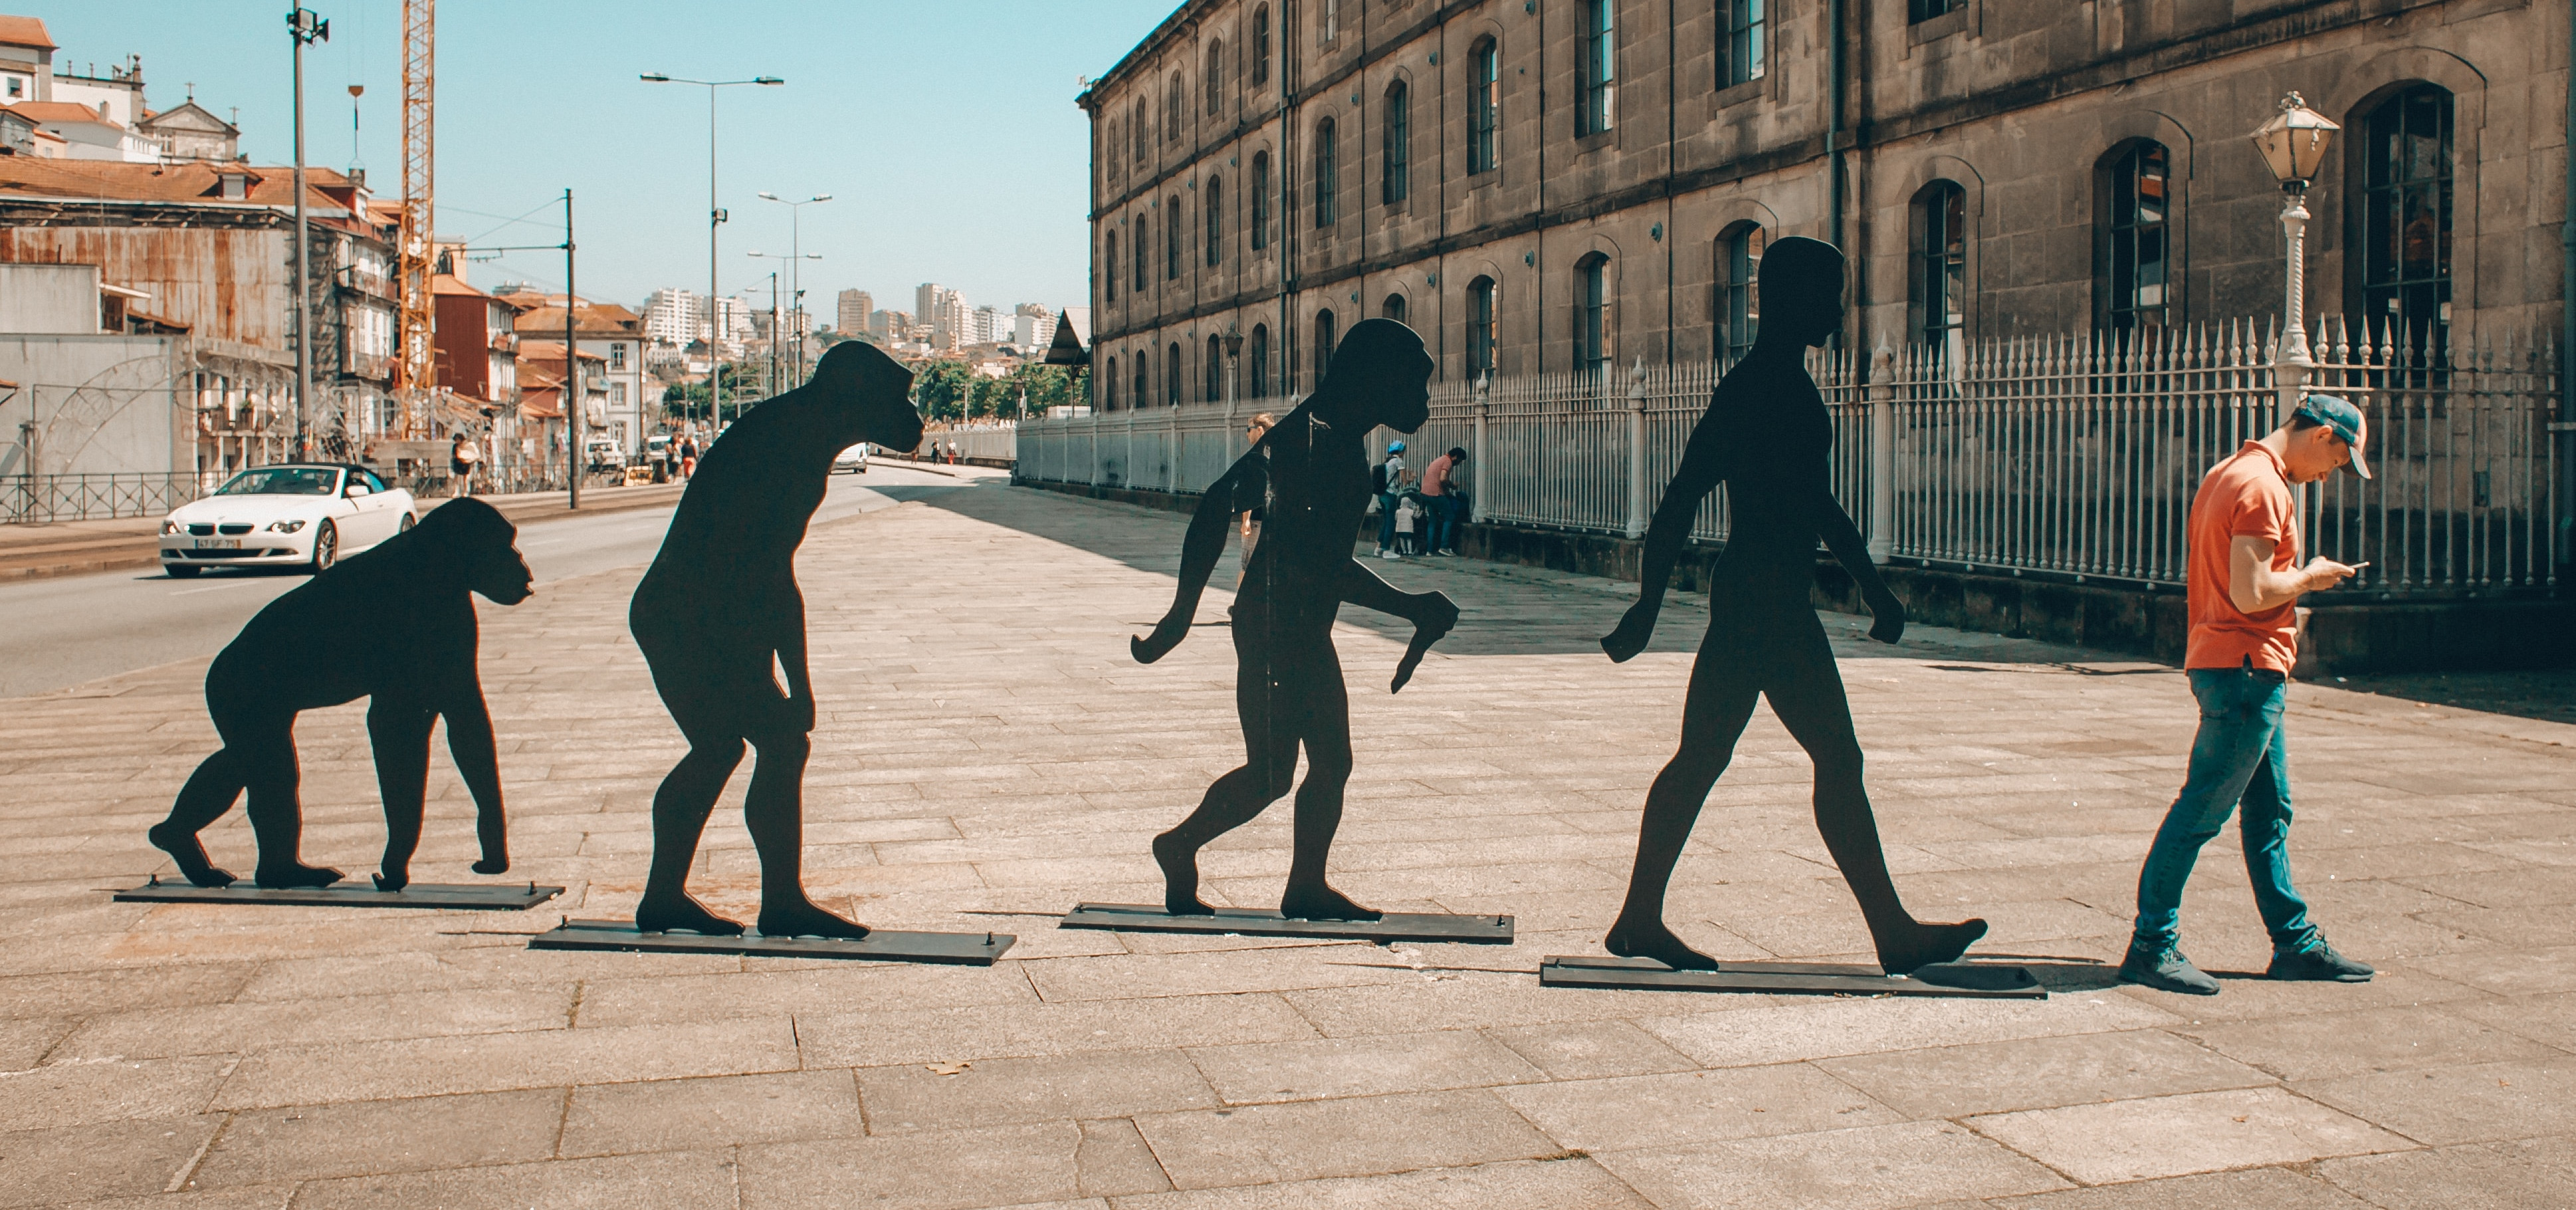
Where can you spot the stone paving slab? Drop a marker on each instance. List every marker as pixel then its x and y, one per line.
pixel 987 756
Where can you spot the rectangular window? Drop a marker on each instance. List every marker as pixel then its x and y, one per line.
pixel 2406 221
pixel 1739 47
pixel 1260 200
pixel 1925 10
pixel 1484 107
pixel 1596 104
pixel 1395 174
pixel 1109 267
pixel 2139 247
pixel 1172 238
pixel 1261 45
pixel 617 355
pixel 1215 208
pixel 1326 169
pixel 1328 20
pixel 1480 328
pixel 1741 264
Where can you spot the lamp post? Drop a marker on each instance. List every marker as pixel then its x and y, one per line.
pixel 779 383
pixel 2293 145
pixel 795 291
pixel 715 218
pixel 1233 365
pixel 304 28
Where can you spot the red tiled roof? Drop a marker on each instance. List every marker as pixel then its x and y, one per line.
pixel 61 111
pixel 195 181
pixel 25 31
pixel 446 283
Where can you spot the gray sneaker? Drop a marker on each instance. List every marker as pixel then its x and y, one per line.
pixel 2167 971
pixel 2319 962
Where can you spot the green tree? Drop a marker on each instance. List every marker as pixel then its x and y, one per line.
pixel 690 400
pixel 942 390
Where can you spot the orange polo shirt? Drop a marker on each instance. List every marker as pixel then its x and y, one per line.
pixel 2246 496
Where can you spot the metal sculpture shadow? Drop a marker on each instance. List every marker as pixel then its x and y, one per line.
pixel 1310 477
pixel 719 617
pixel 1767 437
pixel 395 625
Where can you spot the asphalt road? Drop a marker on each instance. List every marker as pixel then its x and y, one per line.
pixel 57 633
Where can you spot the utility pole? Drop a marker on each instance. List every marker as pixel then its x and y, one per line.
pixel 575 447
pixel 715 219
pixel 302 28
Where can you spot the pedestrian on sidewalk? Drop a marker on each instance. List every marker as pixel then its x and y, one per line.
pixel 1388 480
pixel 1249 520
pixel 2244 580
pixel 1440 489
pixel 688 458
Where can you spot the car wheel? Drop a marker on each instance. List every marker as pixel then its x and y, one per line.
pixel 326 547
pixel 180 571
pixel 406 525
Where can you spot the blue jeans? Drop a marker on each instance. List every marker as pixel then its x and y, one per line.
pixel 1386 520
pixel 2240 758
pixel 1444 522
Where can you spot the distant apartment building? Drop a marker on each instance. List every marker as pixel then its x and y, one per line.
pixel 671 318
pixel 851 317
pixel 944 312
pixel 1570 185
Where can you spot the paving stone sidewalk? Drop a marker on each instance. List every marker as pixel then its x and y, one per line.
pixel 988 755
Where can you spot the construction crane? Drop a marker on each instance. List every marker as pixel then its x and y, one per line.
pixel 418 248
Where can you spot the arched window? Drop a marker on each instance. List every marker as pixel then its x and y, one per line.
pixel 2405 244
pixel 1215 208
pixel 1739 262
pixel 1484 106
pixel 1596 99
pixel 1136 128
pixel 1939 273
pixel 1261 45
pixel 1327 168
pixel 1260 200
pixel 1215 375
pixel 1480 327
pixel 2137 248
pixel 1172 109
pixel 1213 79
pixel 1172 375
pixel 1136 241
pixel 1739 41
pixel 1592 327
pixel 1260 360
pixel 1392 308
pixel 1324 341
pixel 1144 373
pixel 1109 383
pixel 1172 238
pixel 1395 170
pixel 1109 270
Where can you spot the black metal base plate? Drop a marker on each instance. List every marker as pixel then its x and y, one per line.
pixel 1259 922
pixel 882 945
pixel 485 897
pixel 1971 980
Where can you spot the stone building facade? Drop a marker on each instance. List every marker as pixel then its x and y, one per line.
pixel 1542 186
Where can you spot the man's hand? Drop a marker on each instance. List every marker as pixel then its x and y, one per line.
pixel 1630 638
pixel 2323 573
pixel 1888 614
pixel 1167 635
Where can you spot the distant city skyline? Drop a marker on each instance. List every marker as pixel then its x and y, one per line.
pixel 918 192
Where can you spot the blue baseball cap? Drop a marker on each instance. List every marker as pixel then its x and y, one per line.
pixel 2343 420
pixel 1395 447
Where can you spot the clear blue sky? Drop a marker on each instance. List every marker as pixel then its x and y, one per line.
pixel 946 132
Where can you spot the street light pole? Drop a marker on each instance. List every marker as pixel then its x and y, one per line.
pixel 2293 145
pixel 302 28
pixel 715 219
pixel 795 254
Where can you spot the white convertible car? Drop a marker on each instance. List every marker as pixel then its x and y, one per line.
pixel 295 514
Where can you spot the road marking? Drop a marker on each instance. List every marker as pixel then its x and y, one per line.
pixel 190 592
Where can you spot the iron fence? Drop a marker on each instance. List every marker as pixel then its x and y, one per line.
pixel 2070 457
pixel 40 499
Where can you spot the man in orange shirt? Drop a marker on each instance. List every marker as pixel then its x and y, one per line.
pixel 2245 578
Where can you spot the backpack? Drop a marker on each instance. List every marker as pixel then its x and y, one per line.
pixel 1377 478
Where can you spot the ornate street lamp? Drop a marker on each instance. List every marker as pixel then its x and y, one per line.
pixel 1233 363
pixel 2293 145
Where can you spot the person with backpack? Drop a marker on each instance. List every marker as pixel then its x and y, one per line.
pixel 1387 479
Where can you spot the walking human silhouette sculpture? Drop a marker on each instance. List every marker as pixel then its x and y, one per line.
pixel 1767 437
pixel 394 625
pixel 719 610
pixel 1310 477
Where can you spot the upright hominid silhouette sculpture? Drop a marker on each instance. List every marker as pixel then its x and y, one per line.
pixel 719 614
pixel 395 625
pixel 1310 477
pixel 1767 437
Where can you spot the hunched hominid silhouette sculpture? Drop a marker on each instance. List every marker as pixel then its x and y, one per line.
pixel 1767 437
pixel 720 609
pixel 394 624
pixel 1310 477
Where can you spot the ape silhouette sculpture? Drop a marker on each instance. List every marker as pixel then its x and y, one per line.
pixel 719 610
pixel 394 624
pixel 1310 477
pixel 1767 437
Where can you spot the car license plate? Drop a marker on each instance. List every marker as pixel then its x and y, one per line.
pixel 219 544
